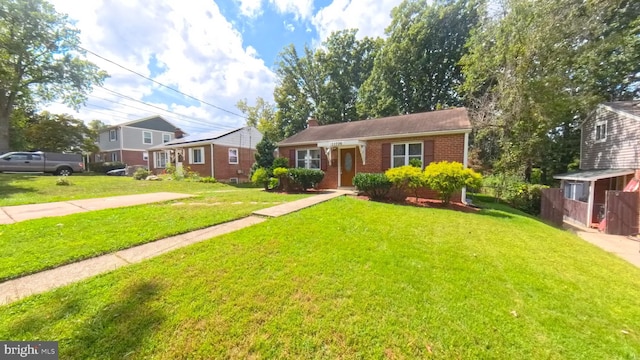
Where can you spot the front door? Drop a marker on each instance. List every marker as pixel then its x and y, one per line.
pixel 347 166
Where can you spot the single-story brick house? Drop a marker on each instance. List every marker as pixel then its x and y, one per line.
pixel 375 145
pixel 224 155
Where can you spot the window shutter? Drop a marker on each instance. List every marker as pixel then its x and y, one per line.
pixel 323 160
pixel 386 157
pixel 428 152
pixel 292 158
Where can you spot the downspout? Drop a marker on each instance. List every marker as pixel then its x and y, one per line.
pixel 212 168
pixel 121 144
pixel 592 190
pixel 464 164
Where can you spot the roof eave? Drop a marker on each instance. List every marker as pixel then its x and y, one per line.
pixel 379 137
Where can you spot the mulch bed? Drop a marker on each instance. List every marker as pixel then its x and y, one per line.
pixel 428 203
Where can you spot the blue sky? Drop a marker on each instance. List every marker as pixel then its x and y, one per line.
pixel 218 51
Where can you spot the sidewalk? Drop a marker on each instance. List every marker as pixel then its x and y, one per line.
pixel 14 214
pixel 621 246
pixel 19 288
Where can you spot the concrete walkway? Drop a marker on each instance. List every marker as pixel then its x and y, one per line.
pixel 13 214
pixel 622 246
pixel 19 288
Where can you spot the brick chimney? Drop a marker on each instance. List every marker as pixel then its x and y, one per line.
pixel 311 121
pixel 178 133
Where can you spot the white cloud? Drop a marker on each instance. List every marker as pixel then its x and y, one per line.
pixel 251 8
pixel 289 26
pixel 301 9
pixel 371 17
pixel 199 51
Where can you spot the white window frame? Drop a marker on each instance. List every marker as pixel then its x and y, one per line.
pixel 406 153
pixel 166 138
pixel 308 159
pixel 114 156
pixel 150 137
pixel 237 156
pixel 192 155
pixel 601 130
pixel 113 135
pixel 571 190
pixel 156 157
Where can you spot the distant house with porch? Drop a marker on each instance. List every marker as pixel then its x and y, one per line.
pixel 225 155
pixel 609 160
pixel 372 146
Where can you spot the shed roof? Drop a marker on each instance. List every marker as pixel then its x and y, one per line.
pixel 450 120
pixel 593 175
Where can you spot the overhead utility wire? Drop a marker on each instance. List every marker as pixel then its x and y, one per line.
pixel 181 116
pixel 159 108
pixel 161 84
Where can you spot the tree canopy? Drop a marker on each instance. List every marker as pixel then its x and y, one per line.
pixel 39 60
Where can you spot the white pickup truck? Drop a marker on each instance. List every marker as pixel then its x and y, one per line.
pixel 41 162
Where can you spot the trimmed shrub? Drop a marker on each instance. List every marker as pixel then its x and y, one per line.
pixel 306 178
pixel 261 177
pixel 528 198
pixel 141 174
pixel 208 180
pixel 406 179
pixel 280 162
pixel 104 167
pixel 415 163
pixel 448 178
pixel 375 186
pixel 63 181
pixel 280 174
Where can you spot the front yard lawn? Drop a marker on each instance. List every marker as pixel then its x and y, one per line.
pixel 40 244
pixel 353 279
pixel 20 189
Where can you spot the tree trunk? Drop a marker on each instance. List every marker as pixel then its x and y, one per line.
pixel 4 131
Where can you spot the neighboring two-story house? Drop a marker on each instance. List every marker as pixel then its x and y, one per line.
pixel 609 160
pixel 225 155
pixel 130 142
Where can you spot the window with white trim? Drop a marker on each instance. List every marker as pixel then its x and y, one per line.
pixel 160 159
pixel 114 156
pixel 401 154
pixel 233 156
pixel 147 138
pixel 113 135
pixel 576 190
pixel 308 158
pixel 601 131
pixel 196 155
pixel 166 138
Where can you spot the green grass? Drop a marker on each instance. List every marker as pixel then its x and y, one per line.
pixel 353 279
pixel 20 189
pixel 40 244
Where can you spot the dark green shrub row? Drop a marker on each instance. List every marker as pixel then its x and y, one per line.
pixel 306 178
pixel 515 191
pixel 375 186
pixel 104 167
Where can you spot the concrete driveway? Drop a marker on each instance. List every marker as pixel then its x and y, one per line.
pixel 622 246
pixel 13 214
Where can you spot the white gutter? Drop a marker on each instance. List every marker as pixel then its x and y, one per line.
pixel 378 137
pixel 212 168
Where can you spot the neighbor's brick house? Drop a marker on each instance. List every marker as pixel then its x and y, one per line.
pixel 375 145
pixel 224 155
pixel 129 142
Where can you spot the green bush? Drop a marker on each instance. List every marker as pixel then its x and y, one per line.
pixel 527 198
pixel 280 162
pixel 208 180
pixel 141 174
pixel 415 163
pixel 261 177
pixel 448 178
pixel 281 177
pixel 375 186
pixel 406 179
pixel 104 167
pixel 306 178
pixel 63 181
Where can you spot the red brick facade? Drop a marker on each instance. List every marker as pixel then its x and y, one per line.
pixel 445 147
pixel 223 170
pixel 129 157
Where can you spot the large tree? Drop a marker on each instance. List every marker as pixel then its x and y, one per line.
pixel 323 83
pixel 418 67
pixel 262 116
pixel 60 133
pixel 530 81
pixel 39 60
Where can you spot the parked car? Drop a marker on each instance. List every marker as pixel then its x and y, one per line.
pixel 117 172
pixel 41 162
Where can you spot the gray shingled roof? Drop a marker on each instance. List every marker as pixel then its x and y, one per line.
pixel 455 119
pixel 629 107
pixel 212 135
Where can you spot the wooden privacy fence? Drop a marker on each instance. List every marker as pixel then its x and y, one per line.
pixel 552 206
pixel 621 213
